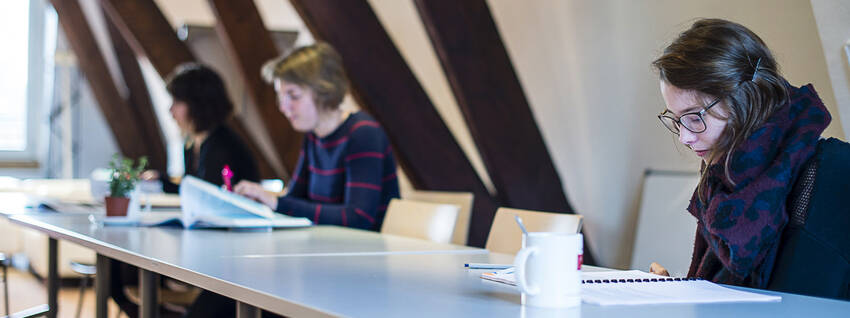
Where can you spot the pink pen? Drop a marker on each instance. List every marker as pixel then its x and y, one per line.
pixel 226 175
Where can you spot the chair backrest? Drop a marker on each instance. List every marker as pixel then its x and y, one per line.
pixel 506 237
pixel 461 199
pixel 663 217
pixel 424 220
pixel 814 251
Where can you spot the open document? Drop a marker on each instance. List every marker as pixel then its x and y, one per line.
pixel 204 205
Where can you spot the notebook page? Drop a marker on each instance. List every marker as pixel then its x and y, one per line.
pixel 666 292
pixel 605 291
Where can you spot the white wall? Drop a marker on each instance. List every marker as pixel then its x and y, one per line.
pixel 833 20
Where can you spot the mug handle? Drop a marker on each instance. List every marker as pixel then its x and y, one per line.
pixel 519 264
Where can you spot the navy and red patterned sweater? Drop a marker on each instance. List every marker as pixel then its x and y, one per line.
pixel 739 225
pixel 346 178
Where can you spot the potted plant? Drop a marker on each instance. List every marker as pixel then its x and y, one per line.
pixel 122 183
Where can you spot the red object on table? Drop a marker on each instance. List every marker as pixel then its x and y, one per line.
pixel 227 175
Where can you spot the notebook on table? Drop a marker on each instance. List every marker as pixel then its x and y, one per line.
pixel 640 288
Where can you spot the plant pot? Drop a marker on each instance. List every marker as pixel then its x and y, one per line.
pixel 116 206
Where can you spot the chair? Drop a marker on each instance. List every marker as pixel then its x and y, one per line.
pixel 37 311
pixel 34 246
pixel 88 271
pixel 462 199
pixel 12 237
pixel 423 220
pixel 814 250
pixel 665 230
pixel 174 297
pixel 506 237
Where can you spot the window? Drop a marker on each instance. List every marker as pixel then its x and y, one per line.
pixel 26 67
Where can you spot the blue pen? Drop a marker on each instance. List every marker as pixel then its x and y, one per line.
pixel 487 266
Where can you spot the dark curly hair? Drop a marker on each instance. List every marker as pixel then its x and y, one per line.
pixel 203 91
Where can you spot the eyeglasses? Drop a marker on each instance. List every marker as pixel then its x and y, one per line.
pixel 693 122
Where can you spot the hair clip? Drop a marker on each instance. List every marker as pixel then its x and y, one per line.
pixel 758 63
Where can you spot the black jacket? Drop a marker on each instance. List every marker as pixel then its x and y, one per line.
pixel 222 147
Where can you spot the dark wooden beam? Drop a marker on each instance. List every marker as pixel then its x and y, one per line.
pixel 249 45
pixel 149 33
pixel 91 61
pixel 494 105
pixel 383 84
pixel 139 99
pixel 491 98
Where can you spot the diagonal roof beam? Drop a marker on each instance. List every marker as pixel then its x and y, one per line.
pixel 139 99
pixel 148 32
pixel 236 20
pixel 489 94
pixel 115 109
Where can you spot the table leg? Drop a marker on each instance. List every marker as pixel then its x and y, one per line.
pixel 244 310
pixel 5 285
pixel 148 287
pixel 101 286
pixel 52 277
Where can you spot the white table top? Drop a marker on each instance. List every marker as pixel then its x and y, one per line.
pixel 317 272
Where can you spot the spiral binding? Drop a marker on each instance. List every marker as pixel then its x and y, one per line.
pixel 639 280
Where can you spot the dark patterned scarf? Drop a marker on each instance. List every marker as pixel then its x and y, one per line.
pixel 739 225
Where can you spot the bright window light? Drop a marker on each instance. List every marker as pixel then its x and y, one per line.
pixel 14 17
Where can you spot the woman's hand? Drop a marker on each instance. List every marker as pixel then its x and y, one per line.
pixel 657 269
pixel 149 175
pixel 255 191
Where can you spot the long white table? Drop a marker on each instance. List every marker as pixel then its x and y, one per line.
pixel 332 271
pixel 213 259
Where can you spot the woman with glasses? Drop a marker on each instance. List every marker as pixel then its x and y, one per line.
pixel 727 101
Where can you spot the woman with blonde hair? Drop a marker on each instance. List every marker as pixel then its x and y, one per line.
pixel 346 173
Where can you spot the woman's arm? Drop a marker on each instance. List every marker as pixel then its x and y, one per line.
pixel 297 187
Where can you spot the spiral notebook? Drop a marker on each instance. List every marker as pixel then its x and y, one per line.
pixel 640 288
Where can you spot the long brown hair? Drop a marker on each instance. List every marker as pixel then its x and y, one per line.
pixel 724 59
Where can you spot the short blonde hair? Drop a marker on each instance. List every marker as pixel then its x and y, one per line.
pixel 318 67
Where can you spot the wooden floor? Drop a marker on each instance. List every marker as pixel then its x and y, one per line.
pixel 26 291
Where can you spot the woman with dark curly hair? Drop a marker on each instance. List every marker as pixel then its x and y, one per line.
pixel 201 108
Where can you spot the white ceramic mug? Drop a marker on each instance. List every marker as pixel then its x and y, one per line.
pixel 547 269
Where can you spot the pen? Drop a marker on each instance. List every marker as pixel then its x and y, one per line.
pixel 226 175
pixel 487 266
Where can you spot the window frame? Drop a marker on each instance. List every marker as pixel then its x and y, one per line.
pixel 39 73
